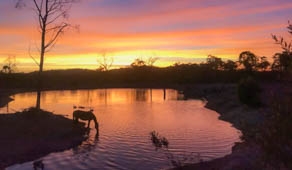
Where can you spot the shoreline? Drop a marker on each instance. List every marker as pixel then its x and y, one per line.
pixel 37 134
pixel 223 99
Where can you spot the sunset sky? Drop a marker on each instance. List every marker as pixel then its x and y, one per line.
pixel 172 30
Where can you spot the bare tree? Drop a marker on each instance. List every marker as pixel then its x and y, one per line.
pixel 151 60
pixel 105 62
pixel 52 18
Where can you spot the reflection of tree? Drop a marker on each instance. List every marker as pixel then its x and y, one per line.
pixel 89 97
pixel 92 138
pixel 141 95
pixel 102 95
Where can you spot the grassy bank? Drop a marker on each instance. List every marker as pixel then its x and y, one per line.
pixel 31 134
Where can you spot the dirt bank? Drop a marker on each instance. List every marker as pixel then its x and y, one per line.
pixel 31 134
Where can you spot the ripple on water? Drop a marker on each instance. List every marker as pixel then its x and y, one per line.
pixel 124 126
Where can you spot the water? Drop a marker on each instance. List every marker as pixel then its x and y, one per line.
pixel 126 117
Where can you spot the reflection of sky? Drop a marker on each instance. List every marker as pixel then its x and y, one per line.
pixel 63 101
pixel 128 29
pixel 124 127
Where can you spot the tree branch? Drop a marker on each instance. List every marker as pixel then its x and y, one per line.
pixel 29 53
pixel 59 31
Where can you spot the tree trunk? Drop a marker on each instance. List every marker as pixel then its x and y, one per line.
pixel 40 75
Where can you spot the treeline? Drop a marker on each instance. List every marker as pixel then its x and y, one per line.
pixel 140 74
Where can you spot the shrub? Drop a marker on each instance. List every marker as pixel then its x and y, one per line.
pixel 275 135
pixel 249 92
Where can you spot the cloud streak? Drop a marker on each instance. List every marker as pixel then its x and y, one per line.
pixel 190 28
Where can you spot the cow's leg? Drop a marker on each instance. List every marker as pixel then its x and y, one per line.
pixel 89 123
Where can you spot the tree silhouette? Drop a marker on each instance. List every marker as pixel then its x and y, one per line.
pixel 138 62
pixel 105 62
pixel 215 63
pixel 263 63
pixel 9 65
pixel 248 60
pixel 151 60
pixel 282 61
pixel 286 46
pixel 229 65
pixel 6 69
pixel 52 18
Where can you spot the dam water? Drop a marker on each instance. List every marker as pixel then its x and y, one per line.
pixel 126 117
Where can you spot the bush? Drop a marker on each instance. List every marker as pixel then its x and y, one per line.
pixel 275 135
pixel 249 92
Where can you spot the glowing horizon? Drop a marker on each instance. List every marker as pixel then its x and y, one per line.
pixel 177 31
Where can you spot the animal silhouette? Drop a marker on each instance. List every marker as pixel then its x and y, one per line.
pixel 85 115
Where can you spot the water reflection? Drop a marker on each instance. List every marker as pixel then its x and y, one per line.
pixel 125 117
pixel 92 139
pixel 142 94
pixel 65 100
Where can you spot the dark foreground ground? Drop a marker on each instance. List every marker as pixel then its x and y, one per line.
pixel 31 134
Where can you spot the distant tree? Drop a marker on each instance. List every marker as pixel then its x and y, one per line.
pixel 248 60
pixel 176 64
pixel 9 65
pixel 138 62
pixel 6 69
pixel 52 18
pixel 263 63
pixel 215 63
pixel 229 65
pixel 151 60
pixel 104 62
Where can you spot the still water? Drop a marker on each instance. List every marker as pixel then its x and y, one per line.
pixel 126 117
